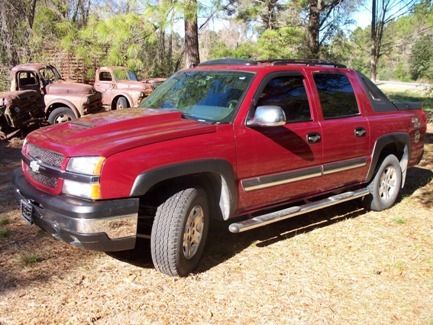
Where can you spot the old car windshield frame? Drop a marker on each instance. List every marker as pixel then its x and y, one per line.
pixel 120 73
pixel 204 95
pixel 54 71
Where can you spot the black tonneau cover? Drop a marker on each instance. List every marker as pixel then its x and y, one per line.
pixel 401 106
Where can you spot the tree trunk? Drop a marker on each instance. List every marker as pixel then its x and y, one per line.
pixel 7 35
pixel 32 13
pixel 373 38
pixel 192 56
pixel 313 28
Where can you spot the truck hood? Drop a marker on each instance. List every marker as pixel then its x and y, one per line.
pixel 131 84
pixel 109 133
pixel 71 88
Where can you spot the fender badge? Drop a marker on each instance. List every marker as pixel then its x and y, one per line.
pixel 34 166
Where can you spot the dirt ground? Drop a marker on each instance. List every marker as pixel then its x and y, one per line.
pixel 342 265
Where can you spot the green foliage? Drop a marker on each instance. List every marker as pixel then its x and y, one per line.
pixel 421 59
pixel 285 42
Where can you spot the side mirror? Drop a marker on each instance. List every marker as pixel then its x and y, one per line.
pixel 268 116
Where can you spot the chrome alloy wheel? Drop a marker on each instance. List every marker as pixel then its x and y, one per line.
pixel 193 232
pixel 388 182
pixel 63 118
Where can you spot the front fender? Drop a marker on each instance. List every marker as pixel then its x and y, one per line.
pixel 228 196
pixel 63 102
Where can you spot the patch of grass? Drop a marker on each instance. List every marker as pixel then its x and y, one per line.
pixel 28 259
pixel 4 221
pixel 399 220
pixel 4 233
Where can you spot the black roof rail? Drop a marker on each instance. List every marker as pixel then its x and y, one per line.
pixel 228 61
pixel 302 61
pixel 235 61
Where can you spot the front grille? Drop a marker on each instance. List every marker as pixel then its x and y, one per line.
pixel 49 158
pixel 43 179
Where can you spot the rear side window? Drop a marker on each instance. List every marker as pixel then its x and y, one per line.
pixel 289 93
pixel 378 99
pixel 336 95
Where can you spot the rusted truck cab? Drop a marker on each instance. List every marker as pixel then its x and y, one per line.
pixel 120 87
pixel 63 100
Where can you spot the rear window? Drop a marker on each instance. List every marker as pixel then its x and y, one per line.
pixel 378 99
pixel 336 95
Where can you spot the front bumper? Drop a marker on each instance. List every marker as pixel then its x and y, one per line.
pixel 108 225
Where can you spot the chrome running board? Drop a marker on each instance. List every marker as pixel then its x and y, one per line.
pixel 272 217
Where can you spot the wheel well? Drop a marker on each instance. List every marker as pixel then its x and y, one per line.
pixel 401 151
pixel 395 148
pixel 113 103
pixel 214 185
pixel 53 106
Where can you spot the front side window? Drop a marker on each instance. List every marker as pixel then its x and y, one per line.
pixel 336 95
pixel 212 96
pixel 289 93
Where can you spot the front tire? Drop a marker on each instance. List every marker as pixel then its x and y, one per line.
pixel 386 184
pixel 61 115
pixel 179 232
pixel 121 103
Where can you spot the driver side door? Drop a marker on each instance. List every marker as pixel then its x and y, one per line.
pixel 277 164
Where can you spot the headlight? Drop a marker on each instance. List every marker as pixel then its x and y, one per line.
pixel 85 190
pixel 86 165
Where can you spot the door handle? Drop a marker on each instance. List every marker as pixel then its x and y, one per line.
pixel 360 132
pixel 313 137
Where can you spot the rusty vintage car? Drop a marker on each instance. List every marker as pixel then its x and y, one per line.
pixel 63 100
pixel 120 87
pixel 20 111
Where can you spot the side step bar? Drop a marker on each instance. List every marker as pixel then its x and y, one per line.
pixel 272 217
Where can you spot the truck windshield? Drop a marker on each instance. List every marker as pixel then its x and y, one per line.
pixel 123 74
pixel 50 74
pixel 211 96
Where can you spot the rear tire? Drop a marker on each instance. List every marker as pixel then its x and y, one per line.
pixel 179 232
pixel 386 184
pixel 61 115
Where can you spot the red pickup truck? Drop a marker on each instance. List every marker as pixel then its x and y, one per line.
pixel 260 140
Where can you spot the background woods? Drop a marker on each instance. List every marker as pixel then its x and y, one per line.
pixel 158 37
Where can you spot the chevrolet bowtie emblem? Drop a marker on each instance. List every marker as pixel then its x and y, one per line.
pixel 34 166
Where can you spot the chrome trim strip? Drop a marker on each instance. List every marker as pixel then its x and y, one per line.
pixel 261 182
pixel 58 173
pixel 340 169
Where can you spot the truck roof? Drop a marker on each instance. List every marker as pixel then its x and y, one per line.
pixel 29 66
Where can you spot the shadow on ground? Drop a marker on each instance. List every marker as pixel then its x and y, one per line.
pixel 222 245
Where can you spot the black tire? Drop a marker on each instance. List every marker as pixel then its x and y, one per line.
pixel 385 186
pixel 169 232
pixel 121 103
pixel 61 115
